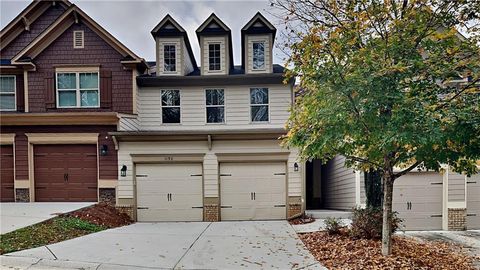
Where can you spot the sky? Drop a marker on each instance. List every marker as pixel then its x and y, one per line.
pixel 131 21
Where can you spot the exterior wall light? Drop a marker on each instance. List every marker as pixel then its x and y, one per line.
pixel 103 150
pixel 295 167
pixel 123 171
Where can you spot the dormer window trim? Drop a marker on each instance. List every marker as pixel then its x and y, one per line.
pixel 217 65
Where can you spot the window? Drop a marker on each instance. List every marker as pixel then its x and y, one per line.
pixel 258 55
pixel 78 41
pixel 77 89
pixel 214 56
pixel 170 106
pixel 7 93
pixel 215 105
pixel 259 104
pixel 169 58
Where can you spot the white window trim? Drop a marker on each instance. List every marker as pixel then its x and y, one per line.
pixel 264 56
pixel 265 104
pixel 210 106
pixel 9 93
pixel 77 90
pixel 166 106
pixel 208 57
pixel 74 40
pixel 176 60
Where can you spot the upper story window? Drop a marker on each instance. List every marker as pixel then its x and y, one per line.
pixel 258 55
pixel 78 39
pixel 214 56
pixel 215 105
pixel 170 106
pixel 259 104
pixel 77 90
pixel 169 58
pixel 7 93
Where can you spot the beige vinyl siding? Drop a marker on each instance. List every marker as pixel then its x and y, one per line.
pixel 267 39
pixel 187 62
pixel 178 55
pixel 210 163
pixel 224 52
pixel 456 187
pixel 193 115
pixel 339 185
pixel 363 196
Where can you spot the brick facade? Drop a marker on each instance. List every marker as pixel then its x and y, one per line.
pixel 107 195
pixel 22 195
pixel 294 207
pixel 457 219
pixel 211 212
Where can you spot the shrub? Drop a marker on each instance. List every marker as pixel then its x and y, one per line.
pixel 367 223
pixel 333 225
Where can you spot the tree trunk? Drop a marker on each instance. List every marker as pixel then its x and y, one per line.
pixel 387 212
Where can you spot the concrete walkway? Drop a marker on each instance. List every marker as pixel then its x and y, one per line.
pixel 176 245
pixel 14 216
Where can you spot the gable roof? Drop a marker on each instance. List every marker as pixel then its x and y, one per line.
pixel 72 15
pixel 168 27
pixel 213 26
pixel 255 26
pixel 25 18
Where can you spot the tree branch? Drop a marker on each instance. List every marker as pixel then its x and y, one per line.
pixel 407 170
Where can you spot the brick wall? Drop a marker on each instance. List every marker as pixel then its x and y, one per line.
pixel 211 212
pixel 95 52
pixel 457 219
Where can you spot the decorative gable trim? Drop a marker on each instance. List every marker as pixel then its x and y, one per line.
pixel 212 19
pixel 25 18
pixel 67 19
pixel 167 23
pixel 259 21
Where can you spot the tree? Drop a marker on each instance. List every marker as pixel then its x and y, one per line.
pixel 390 85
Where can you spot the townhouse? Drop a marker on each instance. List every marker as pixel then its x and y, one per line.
pixel 64 82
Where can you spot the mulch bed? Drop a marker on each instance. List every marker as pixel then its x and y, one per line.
pixel 343 252
pixel 102 214
pixel 304 219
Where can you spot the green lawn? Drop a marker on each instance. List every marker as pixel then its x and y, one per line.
pixel 48 232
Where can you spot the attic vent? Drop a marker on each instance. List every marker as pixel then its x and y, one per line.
pixel 258 24
pixel 169 26
pixel 213 25
pixel 78 41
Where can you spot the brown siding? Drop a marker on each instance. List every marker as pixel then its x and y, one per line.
pixel 20 95
pixel 108 163
pixel 36 28
pixel 96 51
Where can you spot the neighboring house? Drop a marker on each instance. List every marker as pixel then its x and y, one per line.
pixel 64 82
pixel 425 200
pixel 205 143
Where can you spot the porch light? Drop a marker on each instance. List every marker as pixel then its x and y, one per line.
pixel 295 167
pixel 123 171
pixel 103 150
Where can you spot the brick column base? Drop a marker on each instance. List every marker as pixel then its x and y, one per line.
pixel 22 195
pixel 107 195
pixel 457 219
pixel 210 212
pixel 126 209
pixel 294 207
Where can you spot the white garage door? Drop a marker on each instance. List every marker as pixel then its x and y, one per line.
pixel 473 202
pixel 169 192
pixel 252 191
pixel 417 197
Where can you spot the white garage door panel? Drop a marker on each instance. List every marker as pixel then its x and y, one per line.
pixel 424 193
pixel 266 180
pixel 473 202
pixel 184 184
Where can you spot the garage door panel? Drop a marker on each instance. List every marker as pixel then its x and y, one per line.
pixel 267 182
pixel 418 201
pixel 473 202
pixel 169 192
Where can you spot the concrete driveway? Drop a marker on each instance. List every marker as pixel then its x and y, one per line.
pixel 196 245
pixel 14 216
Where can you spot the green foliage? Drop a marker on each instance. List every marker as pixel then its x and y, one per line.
pixel 375 82
pixel 48 232
pixel 333 225
pixel 367 223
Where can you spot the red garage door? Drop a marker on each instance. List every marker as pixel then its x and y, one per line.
pixel 6 177
pixel 65 173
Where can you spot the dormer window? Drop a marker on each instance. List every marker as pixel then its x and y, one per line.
pixel 258 55
pixel 169 58
pixel 214 56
